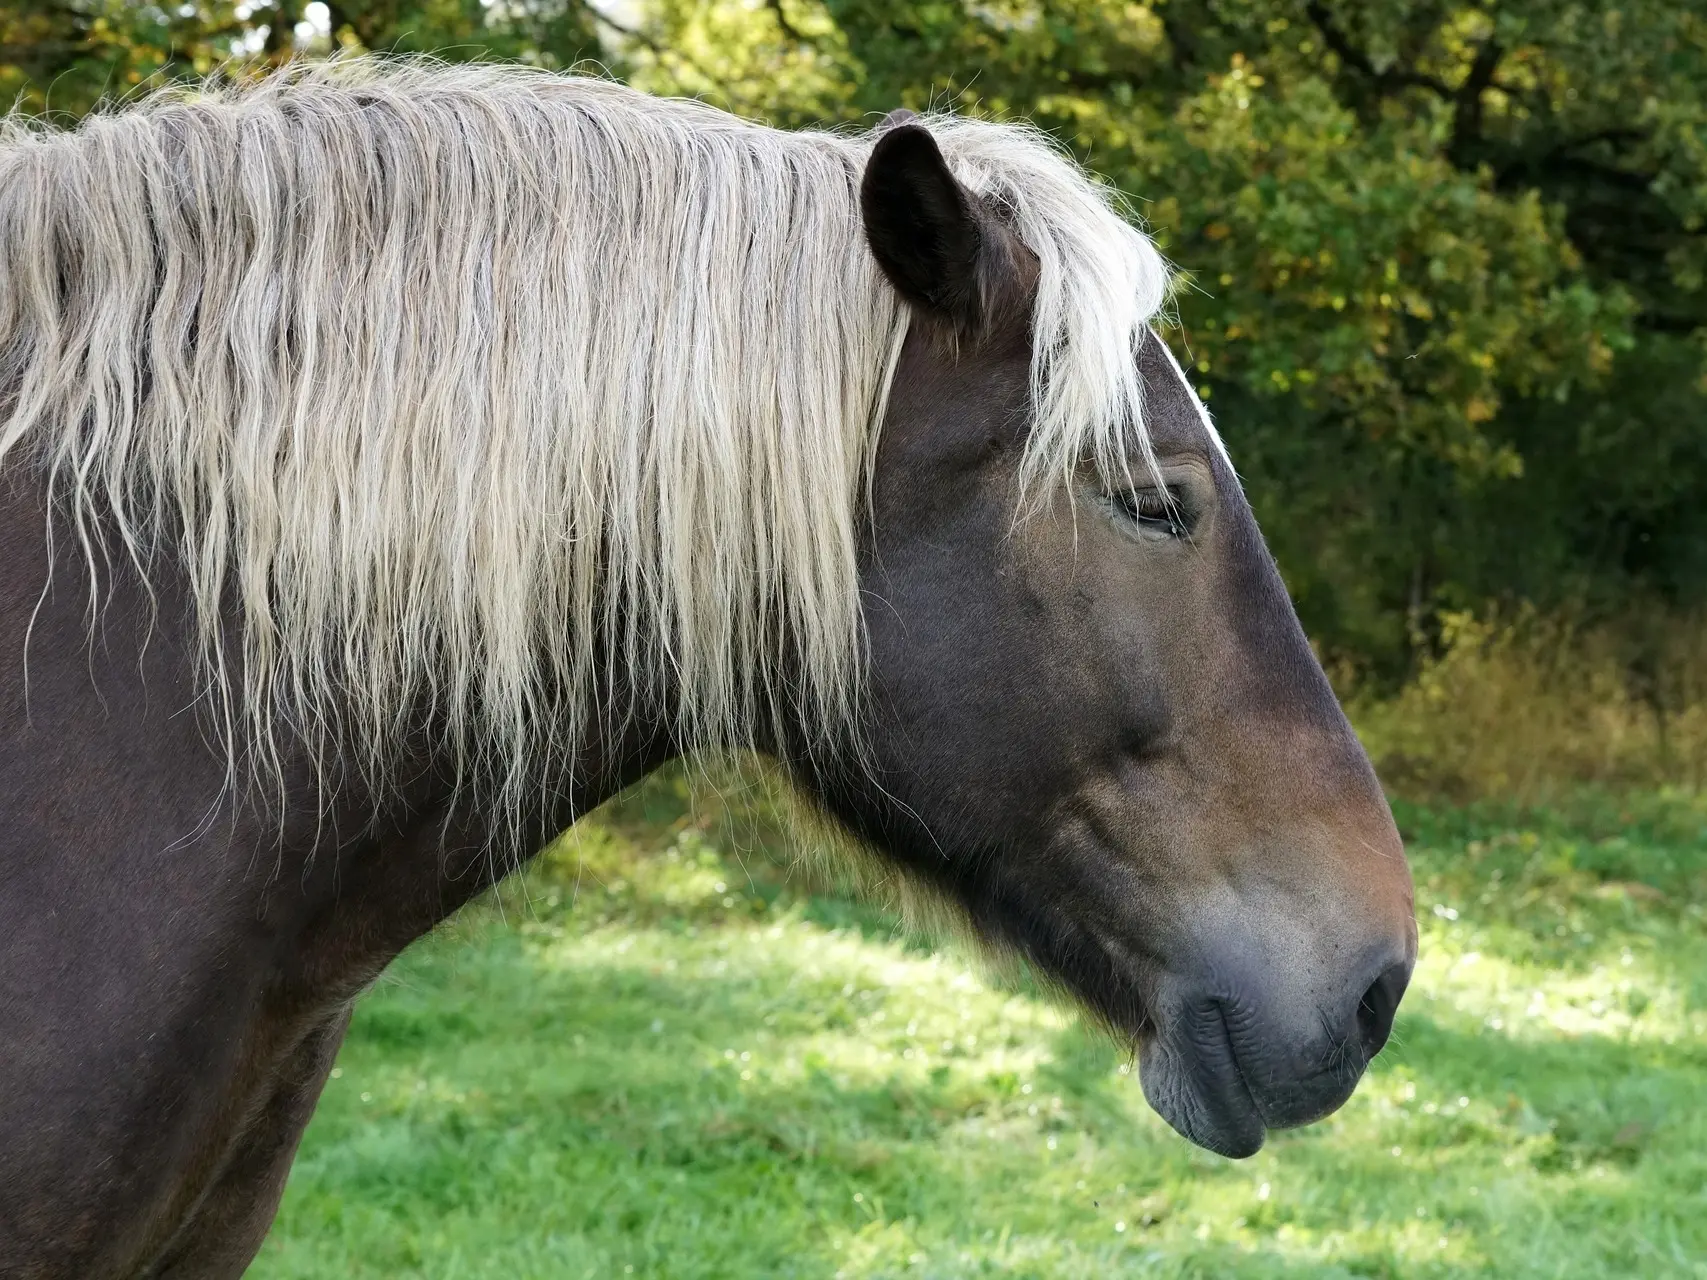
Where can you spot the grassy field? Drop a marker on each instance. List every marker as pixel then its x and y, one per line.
pixel 661 1065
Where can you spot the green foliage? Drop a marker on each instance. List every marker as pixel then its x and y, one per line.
pixel 659 1053
pixel 61 57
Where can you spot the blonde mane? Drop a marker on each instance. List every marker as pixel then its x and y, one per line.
pixel 456 386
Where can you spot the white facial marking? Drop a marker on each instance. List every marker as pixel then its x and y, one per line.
pixel 1202 409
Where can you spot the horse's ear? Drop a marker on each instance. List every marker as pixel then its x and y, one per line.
pixel 922 225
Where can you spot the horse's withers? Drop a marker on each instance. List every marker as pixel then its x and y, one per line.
pixel 1097 722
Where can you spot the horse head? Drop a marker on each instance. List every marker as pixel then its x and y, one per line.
pixel 1093 720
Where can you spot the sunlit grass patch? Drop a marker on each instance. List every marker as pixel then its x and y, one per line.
pixel 651 1059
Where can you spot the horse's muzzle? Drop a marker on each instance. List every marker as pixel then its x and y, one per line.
pixel 1237 1051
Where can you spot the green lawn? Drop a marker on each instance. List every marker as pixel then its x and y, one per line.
pixel 666 1067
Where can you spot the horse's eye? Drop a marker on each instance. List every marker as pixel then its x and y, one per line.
pixel 1156 513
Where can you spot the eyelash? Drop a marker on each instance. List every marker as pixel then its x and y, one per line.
pixel 1156 510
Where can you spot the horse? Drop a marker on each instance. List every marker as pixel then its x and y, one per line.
pixel 399 459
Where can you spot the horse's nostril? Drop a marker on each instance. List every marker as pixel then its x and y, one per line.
pixel 1375 1011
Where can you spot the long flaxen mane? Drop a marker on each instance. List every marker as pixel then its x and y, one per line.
pixel 457 387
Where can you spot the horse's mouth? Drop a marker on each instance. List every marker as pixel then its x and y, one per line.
pixel 1188 1058
pixel 1206 1082
pixel 1231 1044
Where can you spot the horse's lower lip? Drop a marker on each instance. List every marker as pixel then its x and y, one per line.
pixel 1205 1095
pixel 1236 1087
pixel 1232 1062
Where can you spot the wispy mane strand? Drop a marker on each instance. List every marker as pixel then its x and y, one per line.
pixel 465 384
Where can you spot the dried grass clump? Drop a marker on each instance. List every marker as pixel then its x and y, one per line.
pixel 1525 706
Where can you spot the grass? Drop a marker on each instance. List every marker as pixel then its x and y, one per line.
pixel 662 1066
